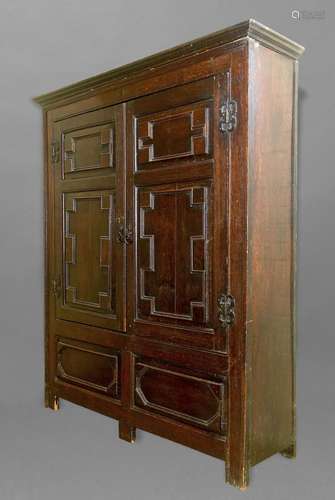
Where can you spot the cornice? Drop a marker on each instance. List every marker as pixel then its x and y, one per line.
pixel 250 29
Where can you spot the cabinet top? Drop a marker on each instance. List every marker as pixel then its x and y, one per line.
pixel 250 29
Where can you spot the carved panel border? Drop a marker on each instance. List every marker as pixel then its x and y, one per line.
pixel 198 196
pixel 112 388
pixel 198 116
pixel 216 389
pixel 104 133
pixel 107 203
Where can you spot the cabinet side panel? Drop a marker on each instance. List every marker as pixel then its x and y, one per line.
pixel 49 244
pixel 271 253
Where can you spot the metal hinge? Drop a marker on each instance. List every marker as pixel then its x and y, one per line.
pixel 228 116
pixel 55 152
pixel 226 303
pixel 56 287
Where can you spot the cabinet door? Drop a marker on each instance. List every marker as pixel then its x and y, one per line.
pixel 89 215
pixel 177 187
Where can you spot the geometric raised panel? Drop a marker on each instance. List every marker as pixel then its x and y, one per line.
pixel 175 133
pixel 88 279
pixel 90 366
pixel 89 274
pixel 87 149
pixel 173 261
pixel 163 389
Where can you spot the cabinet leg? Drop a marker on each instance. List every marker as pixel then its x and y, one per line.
pixel 127 432
pixel 291 451
pixel 238 477
pixel 55 403
pixel 51 400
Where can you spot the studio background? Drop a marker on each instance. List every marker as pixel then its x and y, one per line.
pixel 75 453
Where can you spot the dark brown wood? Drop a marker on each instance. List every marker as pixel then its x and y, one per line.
pixel 250 28
pixel 170 246
pixel 48 396
pixel 127 432
pixel 170 264
pixel 270 300
pixel 89 204
pixel 90 366
pixel 237 466
pixel 161 388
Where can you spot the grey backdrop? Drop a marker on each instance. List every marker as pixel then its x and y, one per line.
pixel 75 454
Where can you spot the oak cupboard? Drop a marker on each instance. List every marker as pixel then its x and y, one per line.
pixel 170 200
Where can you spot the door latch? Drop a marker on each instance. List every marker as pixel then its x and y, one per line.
pixel 56 287
pixel 226 304
pixel 228 116
pixel 55 152
pixel 125 233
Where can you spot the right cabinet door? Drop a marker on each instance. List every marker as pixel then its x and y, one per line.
pixel 177 189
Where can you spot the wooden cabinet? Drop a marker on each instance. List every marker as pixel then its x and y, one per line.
pixel 170 245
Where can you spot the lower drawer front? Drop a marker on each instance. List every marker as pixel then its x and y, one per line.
pixel 169 391
pixel 89 366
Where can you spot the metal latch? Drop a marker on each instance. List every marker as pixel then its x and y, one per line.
pixel 125 233
pixel 55 152
pixel 56 287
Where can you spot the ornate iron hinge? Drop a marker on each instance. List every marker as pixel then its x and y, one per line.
pixel 226 305
pixel 55 152
pixel 228 116
pixel 56 287
pixel 125 233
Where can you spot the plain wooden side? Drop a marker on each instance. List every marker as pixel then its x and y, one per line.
pixel 270 314
pixel 237 465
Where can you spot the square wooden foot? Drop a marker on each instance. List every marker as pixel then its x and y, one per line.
pixel 238 477
pixel 127 432
pixel 290 452
pixel 51 400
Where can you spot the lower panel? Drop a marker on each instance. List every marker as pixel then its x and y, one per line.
pixel 90 366
pixel 187 397
pixel 116 375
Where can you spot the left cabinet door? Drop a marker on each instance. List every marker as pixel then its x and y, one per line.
pixel 89 256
